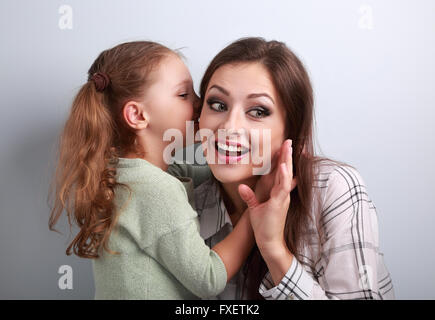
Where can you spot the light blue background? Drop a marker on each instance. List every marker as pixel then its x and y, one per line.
pixel 375 103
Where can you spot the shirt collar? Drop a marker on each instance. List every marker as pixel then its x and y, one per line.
pixel 188 185
pixel 213 215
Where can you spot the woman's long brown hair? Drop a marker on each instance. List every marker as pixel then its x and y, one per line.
pixel 94 136
pixel 294 87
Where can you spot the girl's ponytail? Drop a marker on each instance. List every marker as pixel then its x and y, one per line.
pixel 95 135
pixel 85 176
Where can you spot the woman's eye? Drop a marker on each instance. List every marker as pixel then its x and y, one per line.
pixel 217 106
pixel 183 95
pixel 259 112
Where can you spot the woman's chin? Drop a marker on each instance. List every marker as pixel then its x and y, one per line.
pixel 227 173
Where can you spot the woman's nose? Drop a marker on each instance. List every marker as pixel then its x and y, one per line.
pixel 234 122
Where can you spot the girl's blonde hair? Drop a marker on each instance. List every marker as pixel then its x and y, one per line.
pixel 94 136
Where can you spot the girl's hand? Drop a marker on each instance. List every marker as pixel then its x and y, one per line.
pixel 268 218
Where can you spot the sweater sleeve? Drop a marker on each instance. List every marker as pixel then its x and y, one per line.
pixel 179 247
pixel 184 254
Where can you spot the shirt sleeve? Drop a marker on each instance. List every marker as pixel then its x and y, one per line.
pixel 296 284
pixel 348 267
pixel 199 173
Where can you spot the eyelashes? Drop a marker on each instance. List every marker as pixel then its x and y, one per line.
pixel 256 111
pixel 259 112
pixel 216 105
pixel 186 92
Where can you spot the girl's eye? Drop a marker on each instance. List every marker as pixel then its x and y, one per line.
pixel 217 106
pixel 259 112
pixel 184 95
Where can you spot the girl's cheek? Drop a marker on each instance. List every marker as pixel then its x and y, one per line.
pixel 190 112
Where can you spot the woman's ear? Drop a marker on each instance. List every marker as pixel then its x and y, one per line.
pixel 135 115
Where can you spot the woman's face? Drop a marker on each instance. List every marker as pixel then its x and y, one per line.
pixel 245 121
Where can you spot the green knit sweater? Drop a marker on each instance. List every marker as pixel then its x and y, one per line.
pixel 162 255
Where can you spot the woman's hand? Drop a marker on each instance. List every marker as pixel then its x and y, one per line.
pixel 268 217
pixel 264 185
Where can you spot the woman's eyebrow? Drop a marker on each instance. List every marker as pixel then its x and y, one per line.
pixel 225 92
pixel 252 95
pixel 256 95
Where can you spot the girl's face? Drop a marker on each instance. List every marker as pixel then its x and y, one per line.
pixel 240 100
pixel 170 98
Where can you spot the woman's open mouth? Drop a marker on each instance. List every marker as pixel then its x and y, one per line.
pixel 230 151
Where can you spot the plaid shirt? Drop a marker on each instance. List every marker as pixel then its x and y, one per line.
pixel 347 264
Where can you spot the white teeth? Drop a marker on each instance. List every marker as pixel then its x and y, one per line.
pixel 229 148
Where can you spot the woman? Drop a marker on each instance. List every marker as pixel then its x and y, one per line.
pixel 325 246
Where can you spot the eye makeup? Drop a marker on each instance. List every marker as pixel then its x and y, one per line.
pixel 259 109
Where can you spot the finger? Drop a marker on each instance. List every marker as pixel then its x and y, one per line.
pixel 304 150
pixel 294 183
pixel 275 159
pixel 248 196
pixel 283 150
pixel 275 163
pixel 283 189
pixel 283 158
pixel 285 179
pixel 277 179
pixel 289 160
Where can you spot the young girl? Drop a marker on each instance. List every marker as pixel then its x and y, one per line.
pixel 135 219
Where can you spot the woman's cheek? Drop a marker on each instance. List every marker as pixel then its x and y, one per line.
pixel 206 122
